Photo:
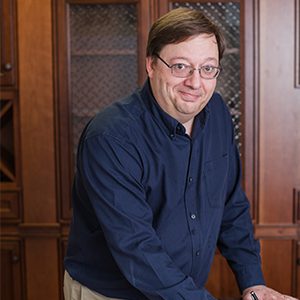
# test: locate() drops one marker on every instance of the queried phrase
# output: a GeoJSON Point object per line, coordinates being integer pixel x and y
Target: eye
{"type": "Point", "coordinates": [208, 69]}
{"type": "Point", "coordinates": [180, 67]}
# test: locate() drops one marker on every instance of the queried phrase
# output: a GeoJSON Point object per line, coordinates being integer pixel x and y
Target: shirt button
{"type": "Point", "coordinates": [172, 135]}
{"type": "Point", "coordinates": [197, 253]}
{"type": "Point", "coordinates": [190, 179]}
{"type": "Point", "coordinates": [193, 216]}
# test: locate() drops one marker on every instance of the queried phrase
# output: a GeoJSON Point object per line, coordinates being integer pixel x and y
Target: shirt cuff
{"type": "Point", "coordinates": [250, 275]}
{"type": "Point", "coordinates": [186, 290]}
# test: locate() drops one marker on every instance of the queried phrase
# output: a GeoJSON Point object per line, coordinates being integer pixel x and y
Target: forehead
{"type": "Point", "coordinates": [195, 48]}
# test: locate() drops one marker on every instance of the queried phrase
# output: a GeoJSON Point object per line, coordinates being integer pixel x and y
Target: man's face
{"type": "Point", "coordinates": [184, 98]}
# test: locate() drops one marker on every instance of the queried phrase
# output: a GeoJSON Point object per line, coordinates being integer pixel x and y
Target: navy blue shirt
{"type": "Point", "coordinates": [150, 203]}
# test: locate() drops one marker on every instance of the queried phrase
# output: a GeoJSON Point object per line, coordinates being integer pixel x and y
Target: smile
{"type": "Point", "coordinates": [189, 96]}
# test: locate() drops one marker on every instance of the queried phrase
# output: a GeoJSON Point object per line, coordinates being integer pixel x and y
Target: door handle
{"type": "Point", "coordinates": [5, 68]}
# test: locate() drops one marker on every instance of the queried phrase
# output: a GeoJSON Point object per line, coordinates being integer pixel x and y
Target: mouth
{"type": "Point", "coordinates": [190, 97]}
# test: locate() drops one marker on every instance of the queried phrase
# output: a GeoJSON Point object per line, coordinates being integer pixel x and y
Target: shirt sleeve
{"type": "Point", "coordinates": [236, 239]}
{"type": "Point", "coordinates": [111, 172]}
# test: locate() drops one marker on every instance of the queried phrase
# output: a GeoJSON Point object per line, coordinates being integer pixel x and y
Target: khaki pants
{"type": "Point", "coordinates": [73, 290]}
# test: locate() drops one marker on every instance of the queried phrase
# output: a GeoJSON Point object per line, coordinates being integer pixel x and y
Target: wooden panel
{"type": "Point", "coordinates": [277, 231]}
{"type": "Point", "coordinates": [36, 106]}
{"type": "Point", "coordinates": [39, 230]}
{"type": "Point", "coordinates": [297, 44]}
{"type": "Point", "coordinates": [279, 108]}
{"type": "Point", "coordinates": [277, 142]}
{"type": "Point", "coordinates": [277, 264]}
{"type": "Point", "coordinates": [42, 271]}
{"type": "Point", "coordinates": [297, 274]}
{"type": "Point", "coordinates": [9, 206]}
{"type": "Point", "coordinates": [8, 36]}
{"type": "Point", "coordinates": [221, 282]}
{"type": "Point", "coordinates": [62, 252]}
{"type": "Point", "coordinates": [11, 278]}
{"type": "Point", "coordinates": [248, 88]}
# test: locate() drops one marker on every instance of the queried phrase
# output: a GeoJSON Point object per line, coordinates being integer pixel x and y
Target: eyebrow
{"type": "Point", "coordinates": [205, 61]}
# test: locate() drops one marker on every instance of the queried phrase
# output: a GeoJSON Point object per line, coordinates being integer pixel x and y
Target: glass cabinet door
{"type": "Point", "coordinates": [100, 51]}
{"type": "Point", "coordinates": [226, 15]}
{"type": "Point", "coordinates": [103, 59]}
{"type": "Point", "coordinates": [229, 16]}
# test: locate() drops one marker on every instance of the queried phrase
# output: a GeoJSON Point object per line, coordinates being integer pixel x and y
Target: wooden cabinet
{"type": "Point", "coordinates": [73, 57]}
{"type": "Point", "coordinates": [278, 142]}
{"type": "Point", "coordinates": [10, 181]}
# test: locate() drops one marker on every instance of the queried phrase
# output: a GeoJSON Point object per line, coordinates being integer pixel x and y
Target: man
{"type": "Point", "coordinates": [157, 186]}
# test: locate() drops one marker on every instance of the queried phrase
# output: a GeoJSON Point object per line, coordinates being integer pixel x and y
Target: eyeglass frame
{"type": "Point", "coordinates": [192, 69]}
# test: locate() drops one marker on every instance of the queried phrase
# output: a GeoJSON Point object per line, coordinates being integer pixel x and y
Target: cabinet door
{"type": "Point", "coordinates": [229, 16]}
{"type": "Point", "coordinates": [101, 52]}
{"type": "Point", "coordinates": [11, 278]}
{"type": "Point", "coordinates": [8, 43]}
{"type": "Point", "coordinates": [278, 140]}
{"type": "Point", "coordinates": [260, 84]}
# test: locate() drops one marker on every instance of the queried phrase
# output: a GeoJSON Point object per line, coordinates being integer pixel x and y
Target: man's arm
{"type": "Point", "coordinates": [236, 238]}
{"type": "Point", "coordinates": [237, 242]}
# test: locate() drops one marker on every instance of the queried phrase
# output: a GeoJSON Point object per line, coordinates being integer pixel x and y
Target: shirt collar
{"type": "Point", "coordinates": [171, 125]}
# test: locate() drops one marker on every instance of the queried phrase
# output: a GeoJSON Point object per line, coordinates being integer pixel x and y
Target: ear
{"type": "Point", "coordinates": [149, 65]}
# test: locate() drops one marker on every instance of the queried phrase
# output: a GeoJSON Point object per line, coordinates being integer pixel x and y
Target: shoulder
{"type": "Point", "coordinates": [117, 120]}
{"type": "Point", "coordinates": [217, 101]}
{"type": "Point", "coordinates": [218, 107]}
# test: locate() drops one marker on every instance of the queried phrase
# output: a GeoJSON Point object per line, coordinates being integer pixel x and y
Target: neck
{"type": "Point", "coordinates": [189, 126]}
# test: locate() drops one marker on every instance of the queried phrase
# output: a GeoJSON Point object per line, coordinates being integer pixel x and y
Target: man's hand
{"type": "Point", "coordinates": [264, 293]}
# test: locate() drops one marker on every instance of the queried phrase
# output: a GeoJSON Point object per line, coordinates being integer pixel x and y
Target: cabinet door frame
{"type": "Point", "coordinates": [220, 273]}
{"type": "Point", "coordinates": [248, 77]}
{"type": "Point", "coordinates": [62, 98]}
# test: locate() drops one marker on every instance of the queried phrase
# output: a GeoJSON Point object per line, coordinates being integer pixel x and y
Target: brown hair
{"type": "Point", "coordinates": [177, 26]}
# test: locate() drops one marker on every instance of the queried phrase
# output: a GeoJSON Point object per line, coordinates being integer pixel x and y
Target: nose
{"type": "Point", "coordinates": [194, 81]}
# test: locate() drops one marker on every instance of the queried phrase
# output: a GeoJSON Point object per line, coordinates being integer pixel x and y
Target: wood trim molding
{"type": "Point", "coordinates": [296, 268]}
{"type": "Point", "coordinates": [40, 230]}
{"type": "Point", "coordinates": [278, 231]}
{"type": "Point", "coordinates": [10, 207]}
{"type": "Point", "coordinates": [297, 44]}
{"type": "Point", "coordinates": [256, 112]}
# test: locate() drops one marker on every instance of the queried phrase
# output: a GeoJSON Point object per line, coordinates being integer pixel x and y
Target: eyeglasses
{"type": "Point", "coordinates": [183, 71]}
